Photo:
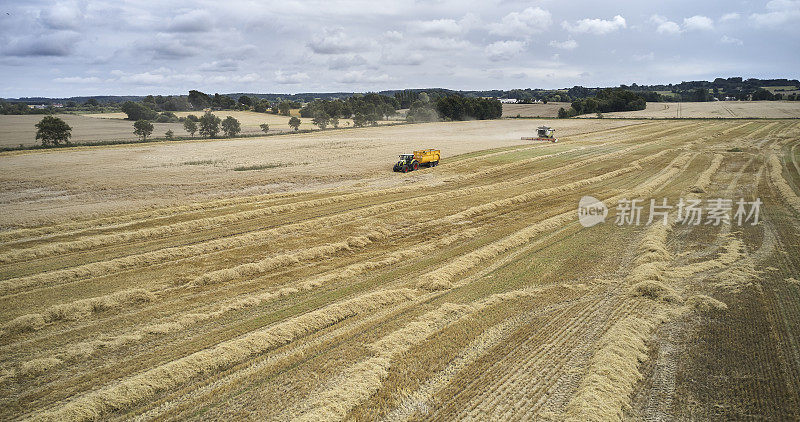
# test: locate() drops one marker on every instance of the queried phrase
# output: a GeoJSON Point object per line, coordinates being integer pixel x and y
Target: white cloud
{"type": "Point", "coordinates": [565, 45]}
{"type": "Point", "coordinates": [335, 41]}
{"type": "Point", "coordinates": [402, 58]}
{"type": "Point", "coordinates": [226, 65]}
{"type": "Point", "coordinates": [644, 57]}
{"type": "Point", "coordinates": [730, 40]}
{"type": "Point", "coordinates": [393, 36]}
{"type": "Point", "coordinates": [437, 26]}
{"type": "Point", "coordinates": [504, 50]}
{"type": "Point", "coordinates": [446, 27]}
{"type": "Point", "coordinates": [62, 16]}
{"type": "Point", "coordinates": [532, 20]}
{"type": "Point", "coordinates": [78, 80]}
{"type": "Point", "coordinates": [145, 78]}
{"type": "Point", "coordinates": [729, 17]}
{"type": "Point", "coordinates": [596, 26]}
{"type": "Point", "coordinates": [665, 26]}
{"type": "Point", "coordinates": [346, 62]}
{"type": "Point", "coordinates": [360, 76]}
{"type": "Point", "coordinates": [194, 21]}
{"type": "Point", "coordinates": [698, 23]}
{"type": "Point", "coordinates": [442, 44]}
{"type": "Point", "coordinates": [780, 12]}
{"type": "Point", "coordinates": [290, 78]}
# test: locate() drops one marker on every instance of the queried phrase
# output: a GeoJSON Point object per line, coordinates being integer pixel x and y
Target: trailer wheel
{"type": "Point", "coordinates": [416, 165]}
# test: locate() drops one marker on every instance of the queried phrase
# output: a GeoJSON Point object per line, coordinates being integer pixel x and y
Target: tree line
{"type": "Point", "coordinates": [605, 101]}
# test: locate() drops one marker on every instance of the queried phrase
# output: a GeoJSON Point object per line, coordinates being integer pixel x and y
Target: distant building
{"type": "Point", "coordinates": [508, 100]}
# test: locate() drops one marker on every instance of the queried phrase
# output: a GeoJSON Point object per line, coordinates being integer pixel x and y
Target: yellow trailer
{"type": "Point", "coordinates": [423, 157]}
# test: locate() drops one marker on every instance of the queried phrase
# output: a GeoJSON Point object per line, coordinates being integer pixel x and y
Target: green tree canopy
{"type": "Point", "coordinates": [321, 120]}
{"type": "Point", "coordinates": [209, 125]}
{"type": "Point", "coordinates": [264, 127]}
{"type": "Point", "coordinates": [231, 126]}
{"type": "Point", "coordinates": [52, 130]}
{"type": "Point", "coordinates": [143, 128]}
{"type": "Point", "coordinates": [294, 123]}
{"type": "Point", "coordinates": [190, 126]}
{"type": "Point", "coordinates": [138, 111]}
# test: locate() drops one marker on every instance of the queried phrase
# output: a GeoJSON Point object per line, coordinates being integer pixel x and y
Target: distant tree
{"type": "Point", "coordinates": [190, 126]}
{"type": "Point", "coordinates": [138, 111]}
{"type": "Point", "coordinates": [193, 118]}
{"type": "Point", "coordinates": [91, 102]}
{"type": "Point", "coordinates": [422, 112]}
{"type": "Point", "coordinates": [359, 120]}
{"type": "Point", "coordinates": [321, 120]}
{"type": "Point", "coordinates": [71, 104]}
{"type": "Point", "coordinates": [246, 101]}
{"type": "Point", "coordinates": [701, 94]}
{"type": "Point", "coordinates": [169, 135]}
{"type": "Point", "coordinates": [762, 94]}
{"type": "Point", "coordinates": [143, 128]}
{"type": "Point", "coordinates": [52, 130]}
{"type": "Point", "coordinates": [231, 126]}
{"type": "Point", "coordinates": [261, 106]}
{"type": "Point", "coordinates": [264, 127]}
{"type": "Point", "coordinates": [284, 108]}
{"type": "Point", "coordinates": [335, 121]}
{"type": "Point", "coordinates": [199, 100]}
{"type": "Point", "coordinates": [209, 125]}
{"type": "Point", "coordinates": [294, 123]}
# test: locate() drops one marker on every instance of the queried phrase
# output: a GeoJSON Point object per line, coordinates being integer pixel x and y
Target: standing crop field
{"type": "Point", "coordinates": [465, 291]}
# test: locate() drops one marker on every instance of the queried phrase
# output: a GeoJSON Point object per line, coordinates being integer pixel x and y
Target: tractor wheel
{"type": "Point", "coordinates": [416, 165]}
{"type": "Point", "coordinates": [405, 169]}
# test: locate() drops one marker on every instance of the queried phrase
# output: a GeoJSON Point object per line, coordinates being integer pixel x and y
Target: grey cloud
{"type": "Point", "coordinates": [346, 62]}
{"type": "Point", "coordinates": [57, 44]}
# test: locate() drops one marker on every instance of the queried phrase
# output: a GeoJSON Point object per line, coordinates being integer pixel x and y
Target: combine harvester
{"type": "Point", "coordinates": [543, 133]}
{"type": "Point", "coordinates": [423, 157]}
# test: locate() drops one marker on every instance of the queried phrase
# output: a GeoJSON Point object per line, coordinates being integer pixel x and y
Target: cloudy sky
{"type": "Point", "coordinates": [66, 48]}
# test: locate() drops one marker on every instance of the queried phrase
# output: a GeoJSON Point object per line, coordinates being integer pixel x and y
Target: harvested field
{"type": "Point", "coordinates": [533, 110]}
{"type": "Point", "coordinates": [249, 120]}
{"type": "Point", "coordinates": [713, 110]}
{"type": "Point", "coordinates": [158, 282]}
{"type": "Point", "coordinates": [21, 130]}
{"type": "Point", "coordinates": [35, 184]}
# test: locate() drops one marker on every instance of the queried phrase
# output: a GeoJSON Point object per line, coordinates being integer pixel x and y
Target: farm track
{"type": "Point", "coordinates": [470, 298]}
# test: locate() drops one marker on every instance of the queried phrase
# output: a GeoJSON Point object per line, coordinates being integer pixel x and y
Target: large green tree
{"type": "Point", "coordinates": [52, 130]}
{"type": "Point", "coordinates": [138, 111]}
{"type": "Point", "coordinates": [231, 126]}
{"type": "Point", "coordinates": [190, 126]}
{"type": "Point", "coordinates": [294, 123]}
{"type": "Point", "coordinates": [143, 128]}
{"type": "Point", "coordinates": [209, 125]}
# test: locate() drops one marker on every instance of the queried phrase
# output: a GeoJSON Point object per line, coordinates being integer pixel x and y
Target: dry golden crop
{"type": "Point", "coordinates": [331, 288]}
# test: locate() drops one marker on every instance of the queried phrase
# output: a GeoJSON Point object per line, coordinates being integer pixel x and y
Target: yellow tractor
{"type": "Point", "coordinates": [423, 157]}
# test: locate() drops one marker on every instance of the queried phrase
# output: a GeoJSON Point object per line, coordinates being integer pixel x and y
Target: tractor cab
{"type": "Point", "coordinates": [544, 132]}
{"type": "Point", "coordinates": [407, 163]}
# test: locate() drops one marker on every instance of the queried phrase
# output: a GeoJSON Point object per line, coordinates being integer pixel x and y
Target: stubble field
{"type": "Point", "coordinates": [465, 291]}
{"type": "Point", "coordinates": [713, 110]}
{"type": "Point", "coordinates": [103, 127]}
